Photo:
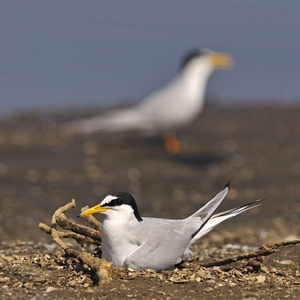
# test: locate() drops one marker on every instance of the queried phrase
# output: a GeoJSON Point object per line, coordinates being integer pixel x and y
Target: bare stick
{"type": "Point", "coordinates": [101, 267]}
{"type": "Point", "coordinates": [262, 251]}
{"type": "Point", "coordinates": [80, 233]}
{"type": "Point", "coordinates": [62, 210]}
{"type": "Point", "coordinates": [66, 224]}
{"type": "Point", "coordinates": [77, 237]}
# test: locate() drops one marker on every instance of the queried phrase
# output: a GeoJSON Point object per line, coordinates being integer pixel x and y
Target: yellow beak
{"type": "Point", "coordinates": [94, 210]}
{"type": "Point", "coordinates": [220, 60]}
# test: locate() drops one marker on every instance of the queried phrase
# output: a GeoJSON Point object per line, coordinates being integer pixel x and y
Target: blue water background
{"type": "Point", "coordinates": [67, 54]}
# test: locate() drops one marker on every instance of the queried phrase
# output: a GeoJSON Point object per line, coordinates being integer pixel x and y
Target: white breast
{"type": "Point", "coordinates": [117, 242]}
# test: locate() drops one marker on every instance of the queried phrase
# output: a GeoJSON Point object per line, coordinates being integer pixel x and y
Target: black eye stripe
{"type": "Point", "coordinates": [114, 202]}
{"type": "Point", "coordinates": [121, 198]}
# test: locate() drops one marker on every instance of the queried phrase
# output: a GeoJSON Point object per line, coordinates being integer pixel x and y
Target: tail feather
{"type": "Point", "coordinates": [220, 217]}
{"type": "Point", "coordinates": [236, 211]}
{"type": "Point", "coordinates": [117, 120]}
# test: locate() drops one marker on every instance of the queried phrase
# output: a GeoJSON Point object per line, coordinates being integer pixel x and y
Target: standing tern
{"type": "Point", "coordinates": [128, 240]}
{"type": "Point", "coordinates": [167, 109]}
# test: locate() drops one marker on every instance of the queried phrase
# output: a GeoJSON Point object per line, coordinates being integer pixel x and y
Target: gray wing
{"type": "Point", "coordinates": [157, 259]}
{"type": "Point", "coordinates": [168, 239]}
{"type": "Point", "coordinates": [163, 246]}
{"type": "Point", "coordinates": [157, 111]}
{"type": "Point", "coordinates": [171, 106]}
{"type": "Point", "coordinates": [168, 107]}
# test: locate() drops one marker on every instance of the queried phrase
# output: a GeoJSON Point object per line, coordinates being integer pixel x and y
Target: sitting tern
{"type": "Point", "coordinates": [128, 240]}
{"type": "Point", "coordinates": [167, 109]}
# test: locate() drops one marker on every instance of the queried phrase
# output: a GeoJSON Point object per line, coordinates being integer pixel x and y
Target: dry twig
{"type": "Point", "coordinates": [101, 268]}
{"type": "Point", "coordinates": [263, 251]}
{"type": "Point", "coordinates": [64, 235]}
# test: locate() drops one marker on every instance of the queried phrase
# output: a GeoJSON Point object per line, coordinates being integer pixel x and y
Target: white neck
{"type": "Point", "coordinates": [194, 77]}
{"type": "Point", "coordinates": [120, 214]}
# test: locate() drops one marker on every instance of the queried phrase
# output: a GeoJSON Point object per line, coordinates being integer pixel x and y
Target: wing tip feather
{"type": "Point", "coordinates": [227, 185]}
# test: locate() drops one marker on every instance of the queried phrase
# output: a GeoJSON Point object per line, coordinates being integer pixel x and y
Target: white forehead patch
{"type": "Point", "coordinates": [107, 199]}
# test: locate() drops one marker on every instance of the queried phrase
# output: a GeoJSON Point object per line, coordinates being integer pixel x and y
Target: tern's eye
{"type": "Point", "coordinates": [119, 201]}
{"type": "Point", "coordinates": [115, 202]}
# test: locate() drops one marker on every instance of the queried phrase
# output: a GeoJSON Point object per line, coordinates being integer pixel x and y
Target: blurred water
{"type": "Point", "coordinates": [86, 53]}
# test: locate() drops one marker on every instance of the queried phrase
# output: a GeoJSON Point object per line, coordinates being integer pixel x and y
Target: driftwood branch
{"type": "Point", "coordinates": [263, 251]}
{"type": "Point", "coordinates": [71, 235]}
{"type": "Point", "coordinates": [101, 268]}
{"type": "Point", "coordinates": [80, 233]}
{"type": "Point", "coordinates": [66, 224]}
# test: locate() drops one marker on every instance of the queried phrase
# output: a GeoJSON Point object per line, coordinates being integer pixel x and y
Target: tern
{"type": "Point", "coordinates": [164, 111]}
{"type": "Point", "coordinates": [128, 240]}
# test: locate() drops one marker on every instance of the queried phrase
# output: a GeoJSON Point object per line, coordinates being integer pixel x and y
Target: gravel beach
{"type": "Point", "coordinates": [41, 169]}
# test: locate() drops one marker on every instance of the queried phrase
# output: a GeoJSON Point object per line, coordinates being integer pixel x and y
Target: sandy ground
{"type": "Point", "coordinates": [42, 169]}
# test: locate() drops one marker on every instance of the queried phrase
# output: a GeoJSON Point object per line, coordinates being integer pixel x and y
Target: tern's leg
{"type": "Point", "coordinates": [171, 143]}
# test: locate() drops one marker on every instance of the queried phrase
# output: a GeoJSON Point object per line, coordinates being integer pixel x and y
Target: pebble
{"type": "Point", "coordinates": [4, 279]}
{"type": "Point", "coordinates": [50, 289]}
{"type": "Point", "coordinates": [287, 262]}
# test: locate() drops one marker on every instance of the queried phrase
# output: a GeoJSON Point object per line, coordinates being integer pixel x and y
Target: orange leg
{"type": "Point", "coordinates": [171, 143]}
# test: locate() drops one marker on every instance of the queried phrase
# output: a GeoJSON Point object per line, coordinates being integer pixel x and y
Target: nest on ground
{"type": "Point", "coordinates": [102, 270]}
